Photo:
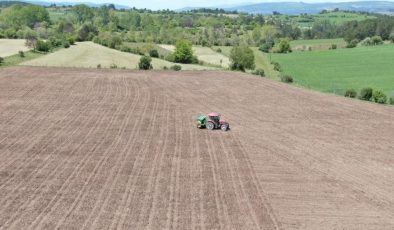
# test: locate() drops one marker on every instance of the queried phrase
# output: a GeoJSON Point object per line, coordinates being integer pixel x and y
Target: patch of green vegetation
{"type": "Point", "coordinates": [17, 59]}
{"type": "Point", "coordinates": [336, 71]}
{"type": "Point", "coordinates": [262, 61]}
{"type": "Point", "coordinates": [317, 44]}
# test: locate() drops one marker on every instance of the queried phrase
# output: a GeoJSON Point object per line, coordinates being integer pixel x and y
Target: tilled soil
{"type": "Point", "coordinates": [101, 149]}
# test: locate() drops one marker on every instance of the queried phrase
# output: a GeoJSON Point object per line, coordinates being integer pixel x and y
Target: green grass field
{"type": "Point", "coordinates": [337, 70]}
{"type": "Point", "coordinates": [89, 55]}
{"type": "Point", "coordinates": [9, 47]}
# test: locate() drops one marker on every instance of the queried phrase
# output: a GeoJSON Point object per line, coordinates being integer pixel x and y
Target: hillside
{"type": "Point", "coordinates": [295, 8]}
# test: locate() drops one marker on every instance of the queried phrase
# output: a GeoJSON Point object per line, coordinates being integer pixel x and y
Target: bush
{"type": "Point", "coordinates": [43, 46]}
{"type": "Point", "coordinates": [333, 47]}
{"type": "Point", "coordinates": [366, 94]}
{"type": "Point", "coordinates": [242, 58]}
{"type": "Point", "coordinates": [99, 66]}
{"type": "Point", "coordinates": [377, 40]}
{"type": "Point", "coordinates": [66, 44]}
{"type": "Point", "coordinates": [145, 63]}
{"type": "Point", "coordinates": [71, 40]}
{"type": "Point", "coordinates": [176, 67]}
{"type": "Point", "coordinates": [219, 50]}
{"type": "Point", "coordinates": [379, 97]}
{"type": "Point", "coordinates": [1, 60]}
{"type": "Point", "coordinates": [165, 68]}
{"type": "Point", "coordinates": [183, 52]}
{"type": "Point", "coordinates": [259, 72]}
{"type": "Point", "coordinates": [391, 101]}
{"type": "Point", "coordinates": [113, 66]}
{"type": "Point", "coordinates": [352, 44]}
{"type": "Point", "coordinates": [277, 66]}
{"type": "Point", "coordinates": [154, 53]}
{"type": "Point", "coordinates": [392, 37]}
{"type": "Point", "coordinates": [284, 46]}
{"type": "Point", "coordinates": [351, 93]}
{"type": "Point", "coordinates": [21, 54]}
{"type": "Point", "coordinates": [286, 78]}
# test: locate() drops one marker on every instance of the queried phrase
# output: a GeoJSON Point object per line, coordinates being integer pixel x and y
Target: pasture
{"type": "Point", "coordinates": [89, 55]}
{"type": "Point", "coordinates": [337, 70]}
{"type": "Point", "coordinates": [9, 47]}
{"type": "Point", "coordinates": [118, 149]}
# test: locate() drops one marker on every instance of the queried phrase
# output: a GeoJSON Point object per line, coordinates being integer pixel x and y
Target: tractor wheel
{"type": "Point", "coordinates": [210, 126]}
{"type": "Point", "coordinates": [224, 128]}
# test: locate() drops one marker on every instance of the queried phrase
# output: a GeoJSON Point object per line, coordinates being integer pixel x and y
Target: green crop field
{"type": "Point", "coordinates": [9, 47]}
{"type": "Point", "coordinates": [337, 70]}
{"type": "Point", "coordinates": [89, 55]}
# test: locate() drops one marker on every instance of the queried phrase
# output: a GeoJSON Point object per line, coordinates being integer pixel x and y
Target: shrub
{"type": "Point", "coordinates": [43, 46]}
{"type": "Point", "coordinates": [154, 53]}
{"type": "Point", "coordinates": [66, 44]}
{"type": "Point", "coordinates": [366, 94]}
{"type": "Point", "coordinates": [145, 63]}
{"type": "Point", "coordinates": [351, 93]}
{"type": "Point", "coordinates": [176, 67]}
{"type": "Point", "coordinates": [392, 37]}
{"type": "Point", "coordinates": [265, 48]}
{"type": "Point", "coordinates": [165, 68]}
{"type": "Point", "coordinates": [352, 44]}
{"type": "Point", "coordinates": [277, 66]}
{"type": "Point", "coordinates": [379, 97]}
{"type": "Point", "coordinates": [377, 40]}
{"type": "Point", "coordinates": [21, 54]}
{"type": "Point", "coordinates": [99, 66]}
{"type": "Point", "coordinates": [391, 101]}
{"type": "Point", "coordinates": [333, 47]}
{"type": "Point", "coordinates": [259, 72]}
{"type": "Point", "coordinates": [284, 46]}
{"type": "Point", "coordinates": [113, 66]}
{"type": "Point", "coordinates": [219, 50]}
{"type": "Point", "coordinates": [71, 40]}
{"type": "Point", "coordinates": [242, 58]}
{"type": "Point", "coordinates": [1, 60]}
{"type": "Point", "coordinates": [286, 78]}
{"type": "Point", "coordinates": [183, 52]}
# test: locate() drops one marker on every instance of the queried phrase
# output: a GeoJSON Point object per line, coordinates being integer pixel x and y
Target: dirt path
{"type": "Point", "coordinates": [100, 149]}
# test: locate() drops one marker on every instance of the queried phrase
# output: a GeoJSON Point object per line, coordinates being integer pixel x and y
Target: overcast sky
{"type": "Point", "coordinates": [177, 4]}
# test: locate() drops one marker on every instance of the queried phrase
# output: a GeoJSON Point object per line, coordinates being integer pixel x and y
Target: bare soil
{"type": "Point", "coordinates": [101, 149]}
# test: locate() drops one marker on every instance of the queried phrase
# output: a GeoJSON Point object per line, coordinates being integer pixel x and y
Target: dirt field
{"type": "Point", "coordinates": [103, 149]}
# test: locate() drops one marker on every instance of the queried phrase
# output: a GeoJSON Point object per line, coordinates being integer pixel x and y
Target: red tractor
{"type": "Point", "coordinates": [212, 121]}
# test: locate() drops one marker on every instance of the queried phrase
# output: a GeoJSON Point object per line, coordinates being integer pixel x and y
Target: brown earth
{"type": "Point", "coordinates": [101, 149]}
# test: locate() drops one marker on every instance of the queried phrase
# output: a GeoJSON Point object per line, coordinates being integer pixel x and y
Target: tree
{"type": "Point", "coordinates": [284, 46]}
{"type": "Point", "coordinates": [242, 58]}
{"type": "Point", "coordinates": [31, 41]}
{"type": "Point", "coordinates": [183, 52]}
{"type": "Point", "coordinates": [83, 13]}
{"type": "Point", "coordinates": [145, 63]}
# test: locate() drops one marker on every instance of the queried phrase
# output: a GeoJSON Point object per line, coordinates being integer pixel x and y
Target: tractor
{"type": "Point", "coordinates": [212, 121]}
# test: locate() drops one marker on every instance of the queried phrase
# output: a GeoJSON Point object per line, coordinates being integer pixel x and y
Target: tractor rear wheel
{"type": "Point", "coordinates": [210, 126]}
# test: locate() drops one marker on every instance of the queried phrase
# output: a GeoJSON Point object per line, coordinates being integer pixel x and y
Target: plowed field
{"type": "Point", "coordinates": [101, 149]}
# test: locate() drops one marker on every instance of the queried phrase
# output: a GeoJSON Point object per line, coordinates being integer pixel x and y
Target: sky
{"type": "Point", "coordinates": [177, 4]}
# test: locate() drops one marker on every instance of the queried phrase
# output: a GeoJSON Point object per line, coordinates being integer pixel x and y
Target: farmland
{"type": "Point", "coordinates": [337, 70]}
{"type": "Point", "coordinates": [9, 47]}
{"type": "Point", "coordinates": [89, 55]}
{"type": "Point", "coordinates": [101, 149]}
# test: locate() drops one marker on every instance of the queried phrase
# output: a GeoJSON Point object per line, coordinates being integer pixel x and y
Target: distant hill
{"type": "Point", "coordinates": [10, 3]}
{"type": "Point", "coordinates": [48, 3]}
{"type": "Point", "coordinates": [295, 8]}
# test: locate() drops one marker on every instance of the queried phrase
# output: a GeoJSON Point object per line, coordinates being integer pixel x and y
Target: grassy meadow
{"type": "Point", "coordinates": [335, 71]}
{"type": "Point", "coordinates": [9, 47]}
{"type": "Point", "coordinates": [89, 55]}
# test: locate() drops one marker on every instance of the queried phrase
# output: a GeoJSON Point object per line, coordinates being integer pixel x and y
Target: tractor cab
{"type": "Point", "coordinates": [215, 118]}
